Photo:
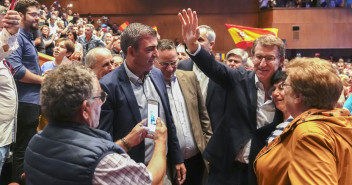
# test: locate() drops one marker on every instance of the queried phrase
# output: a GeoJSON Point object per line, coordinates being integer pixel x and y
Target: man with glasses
{"type": "Point", "coordinates": [100, 61]}
{"type": "Point", "coordinates": [71, 151]}
{"type": "Point", "coordinates": [250, 115]}
{"type": "Point", "coordinates": [28, 79]}
{"type": "Point", "coordinates": [188, 111]}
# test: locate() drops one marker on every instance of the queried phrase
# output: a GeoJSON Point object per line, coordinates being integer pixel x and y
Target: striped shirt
{"type": "Point", "coordinates": [121, 169]}
{"type": "Point", "coordinates": [279, 128]}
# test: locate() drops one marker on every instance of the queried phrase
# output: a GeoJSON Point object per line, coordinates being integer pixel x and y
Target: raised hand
{"type": "Point", "coordinates": [190, 31]}
{"type": "Point", "coordinates": [12, 21]}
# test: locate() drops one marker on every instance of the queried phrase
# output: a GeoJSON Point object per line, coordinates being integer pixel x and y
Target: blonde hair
{"type": "Point", "coordinates": [317, 80]}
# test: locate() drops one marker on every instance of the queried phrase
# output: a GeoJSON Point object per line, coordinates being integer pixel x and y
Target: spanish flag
{"type": "Point", "coordinates": [124, 25]}
{"type": "Point", "coordinates": [155, 28]}
{"type": "Point", "coordinates": [244, 36]}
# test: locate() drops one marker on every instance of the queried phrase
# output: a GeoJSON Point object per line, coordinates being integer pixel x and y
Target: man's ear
{"type": "Point", "coordinates": [282, 59]}
{"type": "Point", "coordinates": [130, 51]}
{"type": "Point", "coordinates": [212, 43]}
{"type": "Point", "coordinates": [21, 15]}
{"type": "Point", "coordinates": [85, 111]}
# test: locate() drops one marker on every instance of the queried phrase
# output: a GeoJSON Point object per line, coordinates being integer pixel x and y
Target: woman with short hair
{"type": "Point", "coordinates": [314, 148]}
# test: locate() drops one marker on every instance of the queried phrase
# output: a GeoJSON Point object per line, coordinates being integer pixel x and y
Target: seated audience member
{"type": "Point", "coordinates": [48, 40]}
{"type": "Point", "coordinates": [9, 26]}
{"type": "Point", "coordinates": [63, 48]}
{"type": "Point", "coordinates": [71, 151]}
{"type": "Point", "coordinates": [315, 147]}
{"type": "Point", "coordinates": [78, 54]}
{"type": "Point", "coordinates": [236, 57]}
{"type": "Point", "coordinates": [278, 96]}
{"type": "Point", "coordinates": [181, 52]}
{"type": "Point", "coordinates": [100, 61]}
{"type": "Point", "coordinates": [118, 60]}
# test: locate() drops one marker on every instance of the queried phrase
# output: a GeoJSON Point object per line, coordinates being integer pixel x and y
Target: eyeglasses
{"type": "Point", "coordinates": [166, 64]}
{"type": "Point", "coordinates": [259, 58]}
{"type": "Point", "coordinates": [282, 85]}
{"type": "Point", "coordinates": [34, 14]}
{"type": "Point", "coordinates": [103, 96]}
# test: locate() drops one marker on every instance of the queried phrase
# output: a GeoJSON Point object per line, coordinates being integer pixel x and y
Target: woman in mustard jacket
{"type": "Point", "coordinates": [316, 147]}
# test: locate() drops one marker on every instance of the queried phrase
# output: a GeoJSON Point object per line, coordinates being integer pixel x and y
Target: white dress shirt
{"type": "Point", "coordinates": [181, 119]}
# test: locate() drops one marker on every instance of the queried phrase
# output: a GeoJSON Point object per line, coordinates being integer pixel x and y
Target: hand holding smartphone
{"type": "Point", "coordinates": [153, 114]}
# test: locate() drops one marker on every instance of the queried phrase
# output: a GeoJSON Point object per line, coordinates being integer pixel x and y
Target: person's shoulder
{"type": "Point", "coordinates": [113, 77]}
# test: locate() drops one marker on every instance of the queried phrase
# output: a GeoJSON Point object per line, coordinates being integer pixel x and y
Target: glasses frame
{"type": "Point", "coordinates": [166, 64]}
{"type": "Point", "coordinates": [103, 95]}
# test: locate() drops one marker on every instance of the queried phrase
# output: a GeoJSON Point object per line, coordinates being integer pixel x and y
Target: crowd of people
{"type": "Point", "coordinates": [255, 118]}
{"type": "Point", "coordinates": [264, 4]}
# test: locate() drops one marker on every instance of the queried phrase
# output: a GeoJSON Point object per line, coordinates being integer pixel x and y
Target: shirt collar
{"type": "Point", "coordinates": [132, 77]}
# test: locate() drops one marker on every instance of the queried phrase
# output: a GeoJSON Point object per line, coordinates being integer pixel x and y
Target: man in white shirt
{"type": "Point", "coordinates": [188, 111]}
{"type": "Point", "coordinates": [9, 24]}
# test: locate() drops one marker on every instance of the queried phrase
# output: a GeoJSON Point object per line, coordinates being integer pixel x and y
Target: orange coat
{"type": "Point", "coordinates": [315, 148]}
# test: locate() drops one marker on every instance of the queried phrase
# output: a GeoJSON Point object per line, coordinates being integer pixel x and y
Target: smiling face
{"type": "Point", "coordinates": [278, 95]}
{"type": "Point", "coordinates": [266, 61]}
{"type": "Point", "coordinates": [167, 63]}
{"type": "Point", "coordinates": [144, 57]}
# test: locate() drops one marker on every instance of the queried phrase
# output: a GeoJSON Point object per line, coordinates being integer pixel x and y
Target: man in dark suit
{"type": "Point", "coordinates": [249, 115]}
{"type": "Point", "coordinates": [188, 111]}
{"type": "Point", "coordinates": [130, 86]}
{"type": "Point", "coordinates": [214, 94]}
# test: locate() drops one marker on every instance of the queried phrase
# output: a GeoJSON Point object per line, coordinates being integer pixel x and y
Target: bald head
{"type": "Point", "coordinates": [100, 61]}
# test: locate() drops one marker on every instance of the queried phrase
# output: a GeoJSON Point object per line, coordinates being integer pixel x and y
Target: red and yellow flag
{"type": "Point", "coordinates": [124, 25]}
{"type": "Point", "coordinates": [244, 36]}
{"type": "Point", "coordinates": [155, 28]}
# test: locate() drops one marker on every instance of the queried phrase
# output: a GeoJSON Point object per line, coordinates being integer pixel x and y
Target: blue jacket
{"type": "Point", "coordinates": [120, 113]}
{"type": "Point", "coordinates": [66, 153]}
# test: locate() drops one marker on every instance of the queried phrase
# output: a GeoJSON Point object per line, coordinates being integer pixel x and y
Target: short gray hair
{"type": "Point", "coordinates": [240, 52]}
{"type": "Point", "coordinates": [64, 90]}
{"type": "Point", "coordinates": [91, 57]}
{"type": "Point", "coordinates": [132, 34]}
{"type": "Point", "coordinates": [166, 44]}
{"type": "Point", "coordinates": [209, 31]}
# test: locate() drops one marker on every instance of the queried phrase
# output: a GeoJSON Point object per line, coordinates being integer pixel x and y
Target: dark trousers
{"type": "Point", "coordinates": [237, 176]}
{"type": "Point", "coordinates": [27, 122]}
{"type": "Point", "coordinates": [195, 170]}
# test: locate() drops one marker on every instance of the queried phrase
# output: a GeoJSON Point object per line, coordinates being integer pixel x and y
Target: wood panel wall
{"type": "Point", "coordinates": [319, 28]}
{"type": "Point", "coordinates": [163, 14]}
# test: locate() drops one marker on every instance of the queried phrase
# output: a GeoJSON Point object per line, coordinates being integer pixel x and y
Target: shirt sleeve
{"type": "Point", "coordinates": [7, 39]}
{"type": "Point", "coordinates": [121, 169]}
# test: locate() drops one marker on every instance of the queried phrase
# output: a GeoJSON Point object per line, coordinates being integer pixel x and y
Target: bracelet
{"type": "Point", "coordinates": [125, 143]}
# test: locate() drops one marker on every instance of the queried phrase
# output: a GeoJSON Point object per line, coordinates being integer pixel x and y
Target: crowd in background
{"type": "Point", "coordinates": [102, 46]}
{"type": "Point", "coordinates": [305, 3]}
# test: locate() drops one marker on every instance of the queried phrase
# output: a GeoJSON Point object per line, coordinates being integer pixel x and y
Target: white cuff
{"type": "Point", "coordinates": [195, 53]}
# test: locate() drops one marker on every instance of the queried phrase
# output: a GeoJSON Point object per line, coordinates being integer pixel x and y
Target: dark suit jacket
{"type": "Point", "coordinates": [216, 96]}
{"type": "Point", "coordinates": [239, 124]}
{"type": "Point", "coordinates": [120, 112]}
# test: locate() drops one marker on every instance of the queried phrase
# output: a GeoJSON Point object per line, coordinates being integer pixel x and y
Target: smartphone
{"type": "Point", "coordinates": [153, 114]}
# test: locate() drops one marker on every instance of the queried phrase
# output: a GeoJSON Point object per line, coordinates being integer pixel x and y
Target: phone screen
{"type": "Point", "coordinates": [153, 114]}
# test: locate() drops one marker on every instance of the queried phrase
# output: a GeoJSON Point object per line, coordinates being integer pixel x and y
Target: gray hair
{"type": "Point", "coordinates": [270, 40]}
{"type": "Point", "coordinates": [209, 31]}
{"type": "Point", "coordinates": [91, 57]}
{"type": "Point", "coordinates": [166, 44]}
{"type": "Point", "coordinates": [64, 89]}
{"type": "Point", "coordinates": [132, 34]}
{"type": "Point", "coordinates": [240, 52]}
